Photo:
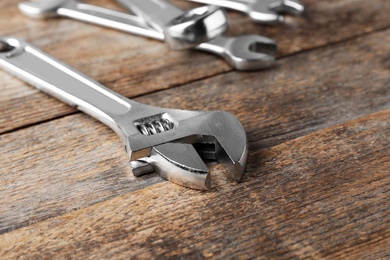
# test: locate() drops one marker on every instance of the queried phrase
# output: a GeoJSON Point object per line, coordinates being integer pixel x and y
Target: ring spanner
{"type": "Point", "coordinates": [182, 30]}
{"type": "Point", "coordinates": [167, 141]}
{"type": "Point", "coordinates": [245, 52]}
{"type": "Point", "coordinates": [261, 11]}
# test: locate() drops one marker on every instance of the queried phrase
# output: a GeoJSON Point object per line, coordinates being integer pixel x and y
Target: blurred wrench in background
{"type": "Point", "coordinates": [245, 52]}
{"type": "Point", "coordinates": [182, 30]}
{"type": "Point", "coordinates": [261, 11]}
{"type": "Point", "coordinates": [190, 28]}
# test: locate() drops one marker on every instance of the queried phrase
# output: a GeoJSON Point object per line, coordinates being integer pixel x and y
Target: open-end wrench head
{"type": "Point", "coordinates": [6, 46]}
{"type": "Point", "coordinates": [251, 52]}
{"type": "Point", "coordinates": [260, 12]}
{"type": "Point", "coordinates": [195, 26]}
{"type": "Point", "coordinates": [271, 11]}
{"type": "Point", "coordinates": [42, 9]}
{"type": "Point", "coordinates": [292, 7]}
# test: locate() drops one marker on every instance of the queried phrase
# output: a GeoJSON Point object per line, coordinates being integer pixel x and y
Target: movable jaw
{"type": "Point", "coordinates": [42, 9]}
{"type": "Point", "coordinates": [196, 26]}
{"type": "Point", "coordinates": [177, 162]}
{"type": "Point", "coordinates": [178, 154]}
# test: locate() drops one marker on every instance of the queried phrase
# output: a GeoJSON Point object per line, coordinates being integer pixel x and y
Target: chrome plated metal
{"type": "Point", "coordinates": [261, 11]}
{"type": "Point", "coordinates": [246, 52]}
{"type": "Point", "coordinates": [181, 29]}
{"type": "Point", "coordinates": [168, 150]}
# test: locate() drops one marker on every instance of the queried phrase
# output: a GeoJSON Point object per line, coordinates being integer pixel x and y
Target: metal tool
{"type": "Point", "coordinates": [195, 26]}
{"type": "Point", "coordinates": [181, 29]}
{"type": "Point", "coordinates": [167, 141]}
{"type": "Point", "coordinates": [261, 11]}
{"type": "Point", "coordinates": [245, 52]}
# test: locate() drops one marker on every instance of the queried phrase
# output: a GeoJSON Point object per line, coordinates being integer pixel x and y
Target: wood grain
{"type": "Point", "coordinates": [73, 162]}
{"type": "Point", "coordinates": [135, 66]}
{"type": "Point", "coordinates": [317, 181]}
{"type": "Point", "coordinates": [325, 195]}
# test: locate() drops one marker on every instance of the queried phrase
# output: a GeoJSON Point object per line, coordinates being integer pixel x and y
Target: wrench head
{"type": "Point", "coordinates": [251, 52]}
{"type": "Point", "coordinates": [292, 7]}
{"type": "Point", "coordinates": [178, 153]}
{"type": "Point", "coordinates": [5, 46]}
{"type": "Point", "coordinates": [195, 26]}
{"type": "Point", "coordinates": [42, 9]}
{"type": "Point", "coordinates": [271, 11]}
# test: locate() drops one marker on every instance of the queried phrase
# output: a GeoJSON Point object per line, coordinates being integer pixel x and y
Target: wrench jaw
{"type": "Point", "coordinates": [251, 52]}
{"type": "Point", "coordinates": [42, 9]}
{"type": "Point", "coordinates": [272, 11]}
{"type": "Point", "coordinates": [178, 154]}
{"type": "Point", "coordinates": [292, 7]}
{"type": "Point", "coordinates": [9, 46]}
{"type": "Point", "coordinates": [266, 17]}
{"type": "Point", "coordinates": [195, 26]}
{"type": "Point", "coordinates": [231, 143]}
{"type": "Point", "coordinates": [177, 162]}
{"type": "Point", "coordinates": [181, 164]}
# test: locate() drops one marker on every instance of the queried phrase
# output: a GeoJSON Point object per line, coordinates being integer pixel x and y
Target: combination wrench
{"type": "Point", "coordinates": [245, 52]}
{"type": "Point", "coordinates": [261, 11]}
{"type": "Point", "coordinates": [155, 139]}
{"type": "Point", "coordinates": [159, 13]}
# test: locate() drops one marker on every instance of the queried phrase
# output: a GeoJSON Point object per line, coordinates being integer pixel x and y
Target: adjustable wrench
{"type": "Point", "coordinates": [156, 139]}
{"type": "Point", "coordinates": [246, 52]}
{"type": "Point", "coordinates": [261, 11]}
{"type": "Point", "coordinates": [182, 30]}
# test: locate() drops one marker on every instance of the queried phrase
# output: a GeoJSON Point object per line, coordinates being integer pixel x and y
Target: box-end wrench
{"type": "Point", "coordinates": [156, 139]}
{"type": "Point", "coordinates": [261, 11]}
{"type": "Point", "coordinates": [245, 52]}
{"type": "Point", "coordinates": [182, 30]}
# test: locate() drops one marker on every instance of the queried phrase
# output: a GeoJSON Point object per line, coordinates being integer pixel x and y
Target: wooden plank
{"type": "Point", "coordinates": [315, 196]}
{"type": "Point", "coordinates": [74, 162]}
{"type": "Point", "coordinates": [135, 66]}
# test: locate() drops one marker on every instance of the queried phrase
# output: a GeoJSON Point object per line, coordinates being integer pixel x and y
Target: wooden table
{"type": "Point", "coordinates": [317, 184]}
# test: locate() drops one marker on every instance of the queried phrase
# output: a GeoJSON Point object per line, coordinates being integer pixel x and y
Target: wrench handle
{"type": "Point", "coordinates": [91, 14]}
{"type": "Point", "coordinates": [61, 81]}
{"type": "Point", "coordinates": [109, 18]}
